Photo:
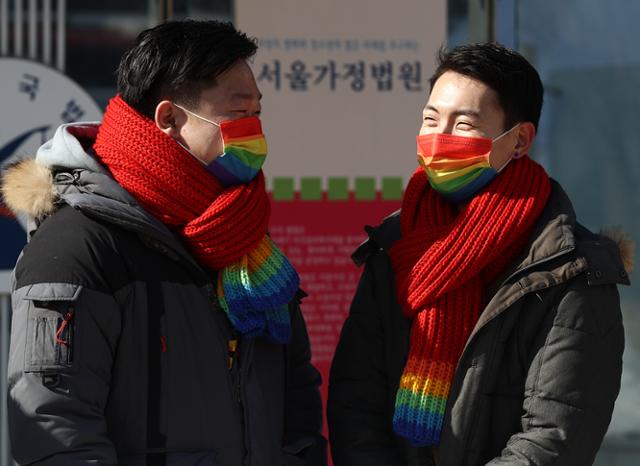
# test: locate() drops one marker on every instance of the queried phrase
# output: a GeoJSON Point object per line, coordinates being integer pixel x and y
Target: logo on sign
{"type": "Point", "coordinates": [36, 100]}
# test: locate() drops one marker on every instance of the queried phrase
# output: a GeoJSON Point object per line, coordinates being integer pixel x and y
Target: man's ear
{"type": "Point", "coordinates": [526, 134]}
{"type": "Point", "coordinates": [168, 119]}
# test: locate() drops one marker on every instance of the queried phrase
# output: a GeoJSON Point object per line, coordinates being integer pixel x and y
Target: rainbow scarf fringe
{"type": "Point", "coordinates": [224, 227]}
{"type": "Point", "coordinates": [421, 401]}
{"type": "Point", "coordinates": [255, 292]}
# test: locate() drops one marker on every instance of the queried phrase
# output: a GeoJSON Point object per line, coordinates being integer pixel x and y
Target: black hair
{"type": "Point", "coordinates": [509, 74]}
{"type": "Point", "coordinates": [178, 60]}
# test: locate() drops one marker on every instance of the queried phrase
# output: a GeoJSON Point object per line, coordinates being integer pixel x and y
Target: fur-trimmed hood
{"type": "Point", "coordinates": [626, 245]}
{"type": "Point", "coordinates": [66, 170]}
{"type": "Point", "coordinates": [28, 188]}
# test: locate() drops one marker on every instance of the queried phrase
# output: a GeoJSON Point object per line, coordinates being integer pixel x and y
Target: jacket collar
{"type": "Point", "coordinates": [551, 238]}
{"type": "Point", "coordinates": [556, 237]}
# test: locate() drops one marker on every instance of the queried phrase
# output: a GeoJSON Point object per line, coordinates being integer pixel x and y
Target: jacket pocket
{"type": "Point", "coordinates": [51, 325]}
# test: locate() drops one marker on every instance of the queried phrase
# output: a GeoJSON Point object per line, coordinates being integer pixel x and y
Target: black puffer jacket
{"type": "Point", "coordinates": [119, 351]}
{"type": "Point", "coordinates": [537, 381]}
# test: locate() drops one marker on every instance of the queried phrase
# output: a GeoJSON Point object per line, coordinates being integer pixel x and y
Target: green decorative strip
{"type": "Point", "coordinates": [283, 189]}
{"type": "Point", "coordinates": [338, 189]}
{"type": "Point", "coordinates": [365, 189]}
{"type": "Point", "coordinates": [311, 189]}
{"type": "Point", "coordinates": [391, 188]}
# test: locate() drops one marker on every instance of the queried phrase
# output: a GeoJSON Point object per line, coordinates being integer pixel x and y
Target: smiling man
{"type": "Point", "coordinates": [154, 320]}
{"type": "Point", "coordinates": [486, 328]}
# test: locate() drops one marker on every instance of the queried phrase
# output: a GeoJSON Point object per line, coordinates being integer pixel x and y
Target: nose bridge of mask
{"type": "Point", "coordinates": [452, 150]}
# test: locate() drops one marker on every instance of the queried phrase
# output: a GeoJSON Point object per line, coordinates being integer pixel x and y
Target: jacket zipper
{"type": "Point", "coordinates": [246, 349]}
{"type": "Point", "coordinates": [234, 367]}
{"type": "Point", "coordinates": [64, 337]}
{"type": "Point", "coordinates": [65, 340]}
{"type": "Point", "coordinates": [232, 362]}
{"type": "Point", "coordinates": [233, 348]}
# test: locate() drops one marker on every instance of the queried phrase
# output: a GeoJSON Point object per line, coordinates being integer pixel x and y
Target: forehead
{"type": "Point", "coordinates": [237, 84]}
{"type": "Point", "coordinates": [453, 92]}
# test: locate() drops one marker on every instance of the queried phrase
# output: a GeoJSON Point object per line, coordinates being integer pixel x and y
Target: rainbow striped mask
{"type": "Point", "coordinates": [244, 149]}
{"type": "Point", "coordinates": [457, 166]}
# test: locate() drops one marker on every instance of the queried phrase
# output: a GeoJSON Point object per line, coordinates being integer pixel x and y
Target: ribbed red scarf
{"type": "Point", "coordinates": [224, 228]}
{"type": "Point", "coordinates": [442, 265]}
{"type": "Point", "coordinates": [220, 225]}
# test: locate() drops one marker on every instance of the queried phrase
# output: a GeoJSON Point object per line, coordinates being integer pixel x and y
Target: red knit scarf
{"type": "Point", "coordinates": [224, 228]}
{"type": "Point", "coordinates": [442, 265]}
{"type": "Point", "coordinates": [219, 225]}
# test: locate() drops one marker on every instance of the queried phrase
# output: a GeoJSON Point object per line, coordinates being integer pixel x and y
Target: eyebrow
{"type": "Point", "coordinates": [462, 111]}
{"type": "Point", "coordinates": [245, 96]}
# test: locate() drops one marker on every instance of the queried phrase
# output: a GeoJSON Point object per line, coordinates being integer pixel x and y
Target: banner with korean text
{"type": "Point", "coordinates": [344, 83]}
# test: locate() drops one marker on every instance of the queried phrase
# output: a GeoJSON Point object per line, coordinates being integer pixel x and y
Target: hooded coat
{"type": "Point", "coordinates": [537, 380]}
{"type": "Point", "coordinates": [120, 353]}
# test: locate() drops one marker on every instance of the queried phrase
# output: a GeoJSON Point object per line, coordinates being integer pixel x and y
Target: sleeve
{"type": "Point", "coordinates": [572, 382]}
{"type": "Point", "coordinates": [63, 340]}
{"type": "Point", "coordinates": [303, 443]}
{"type": "Point", "coordinates": [360, 429]}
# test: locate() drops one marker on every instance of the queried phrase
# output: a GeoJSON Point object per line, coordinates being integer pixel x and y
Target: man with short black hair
{"type": "Point", "coordinates": [486, 328]}
{"type": "Point", "coordinates": [154, 320]}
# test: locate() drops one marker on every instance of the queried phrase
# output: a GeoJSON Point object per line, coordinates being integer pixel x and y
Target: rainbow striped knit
{"type": "Point", "coordinates": [424, 386]}
{"type": "Point", "coordinates": [245, 150]}
{"type": "Point", "coordinates": [255, 292]}
{"type": "Point", "coordinates": [442, 264]}
{"type": "Point", "coordinates": [223, 222]}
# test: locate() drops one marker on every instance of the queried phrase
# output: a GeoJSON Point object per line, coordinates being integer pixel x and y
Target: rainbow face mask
{"type": "Point", "coordinates": [457, 166]}
{"type": "Point", "coordinates": [244, 150]}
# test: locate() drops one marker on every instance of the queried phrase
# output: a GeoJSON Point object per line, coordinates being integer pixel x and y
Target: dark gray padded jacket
{"type": "Point", "coordinates": [537, 381]}
{"type": "Point", "coordinates": [119, 351]}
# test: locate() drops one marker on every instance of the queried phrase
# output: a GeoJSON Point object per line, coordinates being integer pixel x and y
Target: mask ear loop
{"type": "Point", "coordinates": [189, 152]}
{"type": "Point", "coordinates": [503, 134]}
{"type": "Point", "coordinates": [197, 116]}
{"type": "Point", "coordinates": [202, 118]}
{"type": "Point", "coordinates": [516, 155]}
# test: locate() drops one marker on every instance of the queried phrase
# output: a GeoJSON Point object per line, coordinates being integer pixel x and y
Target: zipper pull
{"type": "Point", "coordinates": [232, 348]}
{"type": "Point", "coordinates": [67, 318]}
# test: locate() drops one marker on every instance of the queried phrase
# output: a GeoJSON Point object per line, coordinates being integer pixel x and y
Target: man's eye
{"type": "Point", "coordinates": [464, 125]}
{"type": "Point", "coordinates": [429, 119]}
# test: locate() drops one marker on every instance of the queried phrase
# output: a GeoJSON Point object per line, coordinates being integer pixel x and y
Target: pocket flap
{"type": "Point", "coordinates": [53, 292]}
{"type": "Point", "coordinates": [295, 448]}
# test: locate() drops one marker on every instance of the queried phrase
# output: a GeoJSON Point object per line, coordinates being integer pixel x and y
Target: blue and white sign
{"type": "Point", "coordinates": [36, 99]}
